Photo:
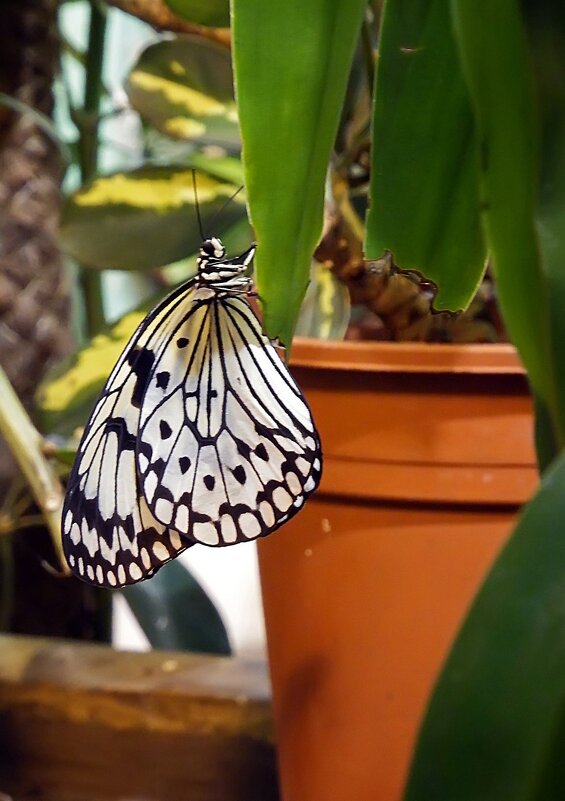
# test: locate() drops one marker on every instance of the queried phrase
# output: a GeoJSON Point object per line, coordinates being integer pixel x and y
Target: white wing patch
{"type": "Point", "coordinates": [227, 449]}
{"type": "Point", "coordinates": [200, 435]}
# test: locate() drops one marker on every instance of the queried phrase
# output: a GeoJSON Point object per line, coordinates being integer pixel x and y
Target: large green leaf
{"type": "Point", "coordinates": [424, 203]}
{"type": "Point", "coordinates": [145, 218]}
{"type": "Point", "coordinates": [176, 614]}
{"type": "Point", "coordinates": [497, 68]}
{"type": "Point", "coordinates": [215, 13]}
{"type": "Point", "coordinates": [184, 87]}
{"type": "Point", "coordinates": [545, 26]}
{"type": "Point", "coordinates": [495, 728]}
{"type": "Point", "coordinates": [292, 61]}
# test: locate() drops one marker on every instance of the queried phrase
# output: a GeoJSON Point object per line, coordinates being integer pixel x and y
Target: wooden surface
{"type": "Point", "coordinates": [85, 723]}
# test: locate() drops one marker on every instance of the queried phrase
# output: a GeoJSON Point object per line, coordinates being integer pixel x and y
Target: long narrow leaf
{"type": "Point", "coordinates": [497, 68]}
{"type": "Point", "coordinates": [424, 203]}
{"type": "Point", "coordinates": [495, 729]}
{"type": "Point", "coordinates": [545, 28]}
{"type": "Point", "coordinates": [292, 61]}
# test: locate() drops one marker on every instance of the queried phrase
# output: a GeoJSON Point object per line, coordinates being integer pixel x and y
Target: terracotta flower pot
{"type": "Point", "coordinates": [428, 456]}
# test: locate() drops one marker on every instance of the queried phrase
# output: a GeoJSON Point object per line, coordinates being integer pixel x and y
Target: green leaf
{"type": "Point", "coordinates": [545, 27]}
{"type": "Point", "coordinates": [214, 13]}
{"type": "Point", "coordinates": [65, 398]}
{"type": "Point", "coordinates": [497, 69]}
{"type": "Point", "coordinates": [176, 614]}
{"type": "Point", "coordinates": [145, 218]}
{"type": "Point", "coordinates": [184, 87]}
{"type": "Point", "coordinates": [292, 61]}
{"type": "Point", "coordinates": [225, 168]}
{"type": "Point", "coordinates": [495, 728]}
{"type": "Point", "coordinates": [326, 310]}
{"type": "Point", "coordinates": [424, 203]}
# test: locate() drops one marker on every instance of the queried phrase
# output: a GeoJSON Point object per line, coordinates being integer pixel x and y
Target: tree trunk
{"type": "Point", "coordinates": [34, 308]}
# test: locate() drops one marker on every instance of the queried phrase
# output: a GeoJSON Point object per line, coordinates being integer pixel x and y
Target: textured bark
{"type": "Point", "coordinates": [34, 298]}
{"type": "Point", "coordinates": [34, 309]}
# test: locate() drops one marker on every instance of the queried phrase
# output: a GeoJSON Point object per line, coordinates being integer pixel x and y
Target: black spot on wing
{"type": "Point", "coordinates": [141, 361]}
{"type": "Point", "coordinates": [261, 452]}
{"type": "Point", "coordinates": [165, 429]}
{"type": "Point", "coordinates": [239, 474]}
{"type": "Point", "coordinates": [184, 464]}
{"type": "Point", "coordinates": [182, 342]}
{"type": "Point", "coordinates": [118, 424]}
{"type": "Point", "coordinates": [163, 379]}
{"type": "Point", "coordinates": [210, 482]}
{"type": "Point", "coordinates": [243, 448]}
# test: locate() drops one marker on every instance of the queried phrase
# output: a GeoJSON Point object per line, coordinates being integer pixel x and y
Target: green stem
{"type": "Point", "coordinates": [26, 444]}
{"type": "Point", "coordinates": [88, 148]}
{"type": "Point", "coordinates": [368, 52]}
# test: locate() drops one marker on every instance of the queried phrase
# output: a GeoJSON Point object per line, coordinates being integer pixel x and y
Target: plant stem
{"type": "Point", "coordinates": [25, 442]}
{"type": "Point", "coordinates": [368, 51]}
{"type": "Point", "coordinates": [88, 149]}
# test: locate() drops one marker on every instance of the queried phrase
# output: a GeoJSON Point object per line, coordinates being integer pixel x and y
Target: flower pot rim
{"type": "Point", "coordinates": [406, 357]}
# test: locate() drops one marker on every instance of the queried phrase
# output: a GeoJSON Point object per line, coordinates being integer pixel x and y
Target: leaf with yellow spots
{"type": "Point", "coordinates": [66, 397]}
{"type": "Point", "coordinates": [184, 87]}
{"type": "Point", "coordinates": [145, 218]}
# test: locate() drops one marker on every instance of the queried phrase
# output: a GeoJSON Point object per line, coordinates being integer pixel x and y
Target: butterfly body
{"type": "Point", "coordinates": [200, 435]}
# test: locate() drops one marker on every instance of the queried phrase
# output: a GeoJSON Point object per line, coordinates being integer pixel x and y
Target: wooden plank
{"type": "Point", "coordinates": [81, 722]}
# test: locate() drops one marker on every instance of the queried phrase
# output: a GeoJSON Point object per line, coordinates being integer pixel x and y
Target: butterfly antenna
{"type": "Point", "coordinates": [224, 205]}
{"type": "Point", "coordinates": [196, 203]}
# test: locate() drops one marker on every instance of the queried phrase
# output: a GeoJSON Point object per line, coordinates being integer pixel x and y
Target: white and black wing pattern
{"type": "Point", "coordinates": [110, 537]}
{"type": "Point", "coordinates": [227, 449]}
{"type": "Point", "coordinates": [200, 435]}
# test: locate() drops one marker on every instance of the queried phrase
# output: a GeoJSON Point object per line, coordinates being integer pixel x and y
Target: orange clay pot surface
{"type": "Point", "coordinates": [428, 455]}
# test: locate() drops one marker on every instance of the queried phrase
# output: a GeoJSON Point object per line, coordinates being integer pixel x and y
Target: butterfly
{"type": "Point", "coordinates": [200, 435]}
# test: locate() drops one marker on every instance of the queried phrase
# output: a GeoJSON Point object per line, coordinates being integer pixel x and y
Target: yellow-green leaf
{"type": "Point", "coordinates": [66, 397]}
{"type": "Point", "coordinates": [184, 87]}
{"type": "Point", "coordinates": [145, 218]}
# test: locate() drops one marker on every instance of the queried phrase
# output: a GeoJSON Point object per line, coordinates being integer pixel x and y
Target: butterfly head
{"type": "Point", "coordinates": [211, 249]}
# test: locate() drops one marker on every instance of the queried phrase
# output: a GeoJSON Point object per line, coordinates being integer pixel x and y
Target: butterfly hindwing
{"type": "Point", "coordinates": [110, 536]}
{"type": "Point", "coordinates": [227, 448]}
